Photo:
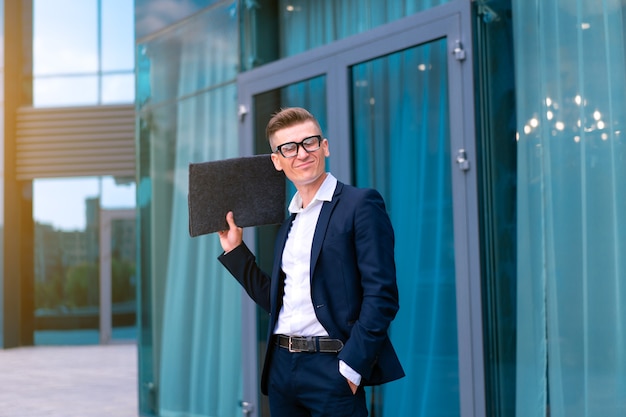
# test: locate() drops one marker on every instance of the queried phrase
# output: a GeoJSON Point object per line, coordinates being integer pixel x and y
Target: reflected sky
{"type": "Point", "coordinates": [65, 36]}
{"type": "Point", "coordinates": [71, 64]}
{"type": "Point", "coordinates": [83, 55]}
{"type": "Point", "coordinates": [60, 202]}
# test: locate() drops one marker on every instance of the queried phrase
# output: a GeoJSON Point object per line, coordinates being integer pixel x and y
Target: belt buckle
{"type": "Point", "coordinates": [291, 349]}
{"type": "Point", "coordinates": [310, 345]}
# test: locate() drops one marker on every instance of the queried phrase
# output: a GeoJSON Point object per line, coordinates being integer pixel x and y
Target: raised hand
{"type": "Point", "coordinates": [233, 236]}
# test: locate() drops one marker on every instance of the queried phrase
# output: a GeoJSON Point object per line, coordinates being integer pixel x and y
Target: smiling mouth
{"type": "Point", "coordinates": [305, 164]}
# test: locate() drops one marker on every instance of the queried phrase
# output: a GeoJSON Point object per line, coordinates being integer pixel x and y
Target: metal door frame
{"type": "Point", "coordinates": [453, 22]}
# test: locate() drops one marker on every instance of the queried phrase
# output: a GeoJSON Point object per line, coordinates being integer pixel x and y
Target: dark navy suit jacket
{"type": "Point", "coordinates": [353, 281]}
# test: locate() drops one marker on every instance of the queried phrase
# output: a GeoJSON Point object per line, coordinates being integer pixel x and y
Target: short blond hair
{"type": "Point", "coordinates": [288, 117]}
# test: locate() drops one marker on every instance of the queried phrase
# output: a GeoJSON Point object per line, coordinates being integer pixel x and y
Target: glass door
{"type": "Point", "coordinates": [309, 94]}
{"type": "Point", "coordinates": [401, 141]}
{"type": "Point", "coordinates": [398, 115]}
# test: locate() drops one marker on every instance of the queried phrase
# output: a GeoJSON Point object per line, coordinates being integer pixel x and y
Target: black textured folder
{"type": "Point", "coordinates": [250, 187]}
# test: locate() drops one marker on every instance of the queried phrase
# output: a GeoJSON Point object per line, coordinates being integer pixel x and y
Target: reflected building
{"type": "Point", "coordinates": [57, 251]}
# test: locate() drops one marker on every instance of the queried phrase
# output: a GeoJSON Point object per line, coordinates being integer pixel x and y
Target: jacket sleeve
{"type": "Point", "coordinates": [241, 263]}
{"type": "Point", "coordinates": [374, 249]}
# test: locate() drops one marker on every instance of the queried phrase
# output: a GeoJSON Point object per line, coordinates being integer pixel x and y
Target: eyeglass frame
{"type": "Point", "coordinates": [298, 144]}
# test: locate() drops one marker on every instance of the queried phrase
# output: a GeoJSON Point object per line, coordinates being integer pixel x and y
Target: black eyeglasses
{"type": "Point", "coordinates": [290, 149]}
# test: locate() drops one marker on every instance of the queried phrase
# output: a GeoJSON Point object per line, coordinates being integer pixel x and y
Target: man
{"type": "Point", "coordinates": [332, 293]}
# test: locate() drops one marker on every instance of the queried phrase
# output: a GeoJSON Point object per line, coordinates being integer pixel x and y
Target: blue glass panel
{"type": "Point", "coordinates": [401, 145]}
{"type": "Point", "coordinates": [571, 297]}
{"type": "Point", "coordinates": [190, 328]}
{"type": "Point", "coordinates": [189, 58]}
{"type": "Point", "coordinates": [151, 16]}
{"type": "Point", "coordinates": [306, 24]}
{"type": "Point", "coordinates": [495, 102]}
{"type": "Point", "coordinates": [197, 329]}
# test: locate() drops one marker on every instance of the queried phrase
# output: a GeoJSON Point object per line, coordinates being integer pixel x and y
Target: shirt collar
{"type": "Point", "coordinates": [325, 193]}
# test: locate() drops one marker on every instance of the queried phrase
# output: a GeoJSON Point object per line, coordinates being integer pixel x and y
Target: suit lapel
{"type": "Point", "coordinates": [322, 226]}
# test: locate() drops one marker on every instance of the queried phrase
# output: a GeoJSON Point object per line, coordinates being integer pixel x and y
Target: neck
{"type": "Point", "coordinates": [308, 191]}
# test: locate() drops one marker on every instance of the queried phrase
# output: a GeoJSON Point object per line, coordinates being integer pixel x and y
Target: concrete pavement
{"type": "Point", "coordinates": [69, 381]}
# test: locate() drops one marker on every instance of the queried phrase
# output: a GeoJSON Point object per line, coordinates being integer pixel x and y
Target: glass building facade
{"type": "Point", "coordinates": [83, 55]}
{"type": "Point", "coordinates": [494, 131]}
{"type": "Point", "coordinates": [70, 101]}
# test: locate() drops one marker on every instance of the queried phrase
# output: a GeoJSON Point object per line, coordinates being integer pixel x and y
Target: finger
{"type": "Point", "coordinates": [230, 219]}
{"type": "Point", "coordinates": [353, 386]}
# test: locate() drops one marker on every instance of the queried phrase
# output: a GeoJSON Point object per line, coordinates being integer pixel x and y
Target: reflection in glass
{"type": "Point", "coordinates": [65, 37]}
{"type": "Point", "coordinates": [118, 88]}
{"type": "Point", "coordinates": [67, 256]}
{"type": "Point", "coordinates": [186, 59]}
{"type": "Point", "coordinates": [570, 357]}
{"type": "Point", "coordinates": [123, 276]}
{"type": "Point", "coordinates": [152, 16]}
{"type": "Point", "coordinates": [117, 17]}
{"type": "Point", "coordinates": [326, 22]}
{"type": "Point", "coordinates": [188, 306]}
{"type": "Point", "coordinates": [65, 91]}
{"type": "Point", "coordinates": [83, 52]}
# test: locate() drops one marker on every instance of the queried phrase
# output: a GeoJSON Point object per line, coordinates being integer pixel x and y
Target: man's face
{"type": "Point", "coordinates": [306, 167]}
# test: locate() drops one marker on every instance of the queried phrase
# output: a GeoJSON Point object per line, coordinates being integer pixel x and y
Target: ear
{"type": "Point", "coordinates": [325, 147]}
{"type": "Point", "coordinates": [276, 161]}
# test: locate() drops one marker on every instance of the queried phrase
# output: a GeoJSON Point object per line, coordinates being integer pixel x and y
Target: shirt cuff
{"type": "Point", "coordinates": [352, 375]}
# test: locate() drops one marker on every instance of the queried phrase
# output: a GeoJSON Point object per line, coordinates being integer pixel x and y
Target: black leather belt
{"type": "Point", "coordinates": [310, 344]}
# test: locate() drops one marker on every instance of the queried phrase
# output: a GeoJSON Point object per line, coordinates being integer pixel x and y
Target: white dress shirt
{"type": "Point", "coordinates": [297, 314]}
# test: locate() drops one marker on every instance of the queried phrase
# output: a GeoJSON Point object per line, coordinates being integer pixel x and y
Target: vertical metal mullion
{"type": "Point", "coordinates": [339, 122]}
{"type": "Point", "coordinates": [249, 329]}
{"type": "Point", "coordinates": [466, 227]}
{"type": "Point", "coordinates": [105, 312]}
{"type": "Point", "coordinates": [99, 37]}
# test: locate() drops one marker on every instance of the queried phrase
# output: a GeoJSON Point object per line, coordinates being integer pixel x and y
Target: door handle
{"type": "Point", "coordinates": [461, 160]}
{"type": "Point", "coordinates": [246, 407]}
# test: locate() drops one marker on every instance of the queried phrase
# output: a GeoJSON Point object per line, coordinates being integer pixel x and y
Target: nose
{"type": "Point", "coordinates": [302, 153]}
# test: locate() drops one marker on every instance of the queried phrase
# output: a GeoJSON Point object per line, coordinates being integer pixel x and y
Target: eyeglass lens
{"type": "Point", "coordinates": [290, 149]}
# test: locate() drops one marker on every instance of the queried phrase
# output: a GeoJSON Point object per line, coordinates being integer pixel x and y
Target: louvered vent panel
{"type": "Point", "coordinates": [75, 142]}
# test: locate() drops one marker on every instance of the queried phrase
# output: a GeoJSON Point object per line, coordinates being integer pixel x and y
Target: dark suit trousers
{"type": "Point", "coordinates": [310, 385]}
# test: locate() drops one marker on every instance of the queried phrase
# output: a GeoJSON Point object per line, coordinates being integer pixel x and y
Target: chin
{"type": "Point", "coordinates": [307, 179]}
